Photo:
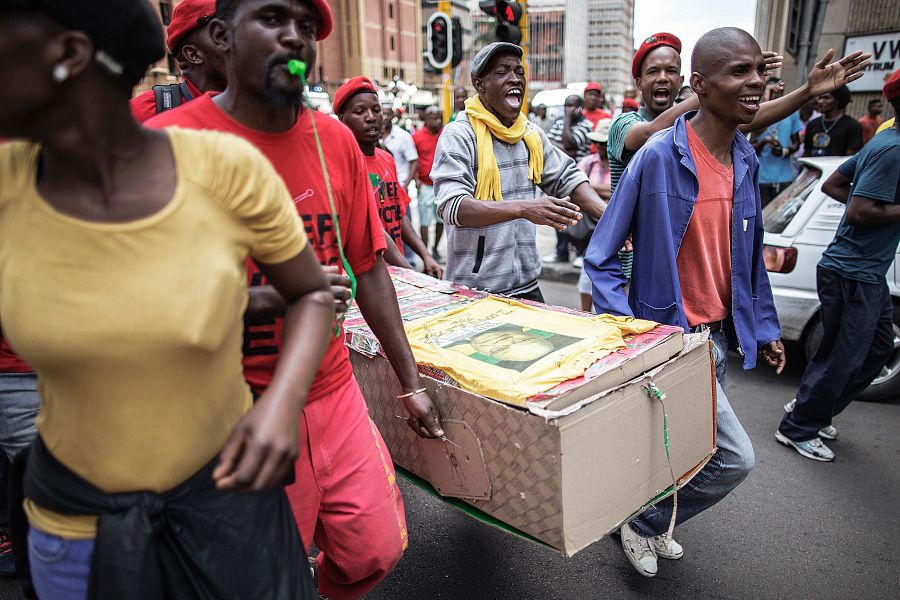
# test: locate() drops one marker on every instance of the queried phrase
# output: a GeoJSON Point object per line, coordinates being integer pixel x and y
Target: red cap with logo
{"type": "Point", "coordinates": [654, 41]}
{"type": "Point", "coordinates": [593, 85]}
{"type": "Point", "coordinates": [892, 86]}
{"type": "Point", "coordinates": [187, 17]}
{"type": "Point", "coordinates": [630, 103]}
{"type": "Point", "coordinates": [350, 89]}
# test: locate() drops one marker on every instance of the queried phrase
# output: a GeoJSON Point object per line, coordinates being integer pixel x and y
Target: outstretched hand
{"type": "Point", "coordinates": [773, 61]}
{"type": "Point", "coordinates": [825, 77]}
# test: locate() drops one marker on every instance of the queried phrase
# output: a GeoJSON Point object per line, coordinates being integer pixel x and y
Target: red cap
{"type": "Point", "coordinates": [351, 88]}
{"type": "Point", "coordinates": [630, 103]}
{"type": "Point", "coordinates": [188, 16]}
{"type": "Point", "coordinates": [892, 86]}
{"type": "Point", "coordinates": [593, 85]}
{"type": "Point", "coordinates": [654, 41]}
{"type": "Point", "coordinates": [325, 18]}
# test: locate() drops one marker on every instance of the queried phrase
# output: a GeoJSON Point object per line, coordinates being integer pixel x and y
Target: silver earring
{"type": "Point", "coordinates": [60, 73]}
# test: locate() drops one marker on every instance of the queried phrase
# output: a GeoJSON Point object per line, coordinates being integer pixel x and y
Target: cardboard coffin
{"type": "Point", "coordinates": [571, 466]}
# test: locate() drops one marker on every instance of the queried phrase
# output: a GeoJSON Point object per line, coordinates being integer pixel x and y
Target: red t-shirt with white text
{"type": "Point", "coordinates": [426, 144]}
{"type": "Point", "coordinates": [390, 197]}
{"type": "Point", "coordinates": [293, 154]}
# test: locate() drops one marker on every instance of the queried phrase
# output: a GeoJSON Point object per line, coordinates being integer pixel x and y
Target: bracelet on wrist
{"type": "Point", "coordinates": [410, 394]}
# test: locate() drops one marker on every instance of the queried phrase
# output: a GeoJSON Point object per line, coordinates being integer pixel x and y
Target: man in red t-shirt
{"type": "Point", "coordinates": [872, 120]}
{"type": "Point", "coordinates": [356, 105]}
{"type": "Point", "coordinates": [202, 67]}
{"type": "Point", "coordinates": [426, 140]}
{"type": "Point", "coordinates": [593, 104]}
{"type": "Point", "coordinates": [345, 497]}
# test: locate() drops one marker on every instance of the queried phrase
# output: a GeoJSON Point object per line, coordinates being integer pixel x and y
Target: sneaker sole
{"type": "Point", "coordinates": [779, 437]}
{"type": "Point", "coordinates": [668, 556]}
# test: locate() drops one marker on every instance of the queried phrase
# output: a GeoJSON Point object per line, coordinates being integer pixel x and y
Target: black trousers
{"type": "Point", "coordinates": [857, 343]}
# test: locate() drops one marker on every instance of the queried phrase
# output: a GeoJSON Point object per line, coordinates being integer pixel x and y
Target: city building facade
{"type": "Point", "coordinates": [803, 30]}
{"type": "Point", "coordinates": [609, 50]}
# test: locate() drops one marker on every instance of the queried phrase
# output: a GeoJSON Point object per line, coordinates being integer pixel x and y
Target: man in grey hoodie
{"type": "Point", "coordinates": [496, 176]}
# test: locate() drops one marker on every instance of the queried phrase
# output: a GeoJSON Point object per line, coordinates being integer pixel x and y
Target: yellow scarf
{"type": "Point", "coordinates": [484, 123]}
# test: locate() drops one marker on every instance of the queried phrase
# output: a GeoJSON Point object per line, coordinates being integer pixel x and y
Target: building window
{"type": "Point", "coordinates": [402, 74]}
{"type": "Point", "coordinates": [390, 10]}
{"type": "Point", "coordinates": [392, 42]}
{"type": "Point", "coordinates": [165, 11]}
{"type": "Point", "coordinates": [795, 17]}
{"type": "Point", "coordinates": [386, 73]}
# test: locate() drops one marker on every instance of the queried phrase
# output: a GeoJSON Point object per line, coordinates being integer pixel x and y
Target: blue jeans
{"type": "Point", "coordinates": [60, 568]}
{"type": "Point", "coordinates": [728, 467]}
{"type": "Point", "coordinates": [19, 403]}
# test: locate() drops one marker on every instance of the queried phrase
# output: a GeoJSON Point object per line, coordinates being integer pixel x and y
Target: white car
{"type": "Point", "coordinates": [800, 223]}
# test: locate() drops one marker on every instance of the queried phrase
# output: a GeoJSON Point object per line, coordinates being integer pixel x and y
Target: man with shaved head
{"type": "Point", "coordinates": [690, 201]}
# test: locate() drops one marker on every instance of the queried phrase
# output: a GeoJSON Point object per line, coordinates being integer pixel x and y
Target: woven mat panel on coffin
{"type": "Point", "coordinates": [521, 451]}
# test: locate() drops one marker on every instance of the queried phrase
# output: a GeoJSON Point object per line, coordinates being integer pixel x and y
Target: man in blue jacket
{"type": "Point", "coordinates": [690, 200]}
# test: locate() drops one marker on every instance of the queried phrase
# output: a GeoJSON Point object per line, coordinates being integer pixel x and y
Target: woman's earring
{"type": "Point", "coordinates": [60, 73]}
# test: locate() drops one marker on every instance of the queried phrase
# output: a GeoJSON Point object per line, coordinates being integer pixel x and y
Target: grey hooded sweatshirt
{"type": "Point", "coordinates": [502, 258]}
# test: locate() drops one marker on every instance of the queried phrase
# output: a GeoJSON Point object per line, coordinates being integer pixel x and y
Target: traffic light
{"type": "Point", "coordinates": [509, 21]}
{"type": "Point", "coordinates": [440, 40]}
{"type": "Point", "coordinates": [457, 43]}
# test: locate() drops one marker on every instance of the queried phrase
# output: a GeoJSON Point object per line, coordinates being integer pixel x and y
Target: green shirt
{"type": "Point", "coordinates": [619, 156]}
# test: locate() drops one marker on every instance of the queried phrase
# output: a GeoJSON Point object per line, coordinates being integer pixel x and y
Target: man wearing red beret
{"type": "Point", "coordinates": [345, 497]}
{"type": "Point", "coordinates": [202, 67]}
{"type": "Point", "coordinates": [593, 104]}
{"type": "Point", "coordinates": [356, 105]}
{"type": "Point", "coordinates": [857, 311]}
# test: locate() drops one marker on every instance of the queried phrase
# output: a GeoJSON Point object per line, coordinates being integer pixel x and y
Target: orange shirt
{"type": "Point", "coordinates": [704, 258]}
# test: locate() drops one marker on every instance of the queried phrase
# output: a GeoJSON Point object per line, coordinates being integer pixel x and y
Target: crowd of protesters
{"type": "Point", "coordinates": [200, 425]}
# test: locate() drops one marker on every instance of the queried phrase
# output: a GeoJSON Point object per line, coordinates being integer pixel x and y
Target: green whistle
{"type": "Point", "coordinates": [297, 68]}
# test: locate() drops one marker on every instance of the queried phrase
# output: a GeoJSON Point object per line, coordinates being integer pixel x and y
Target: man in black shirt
{"type": "Point", "coordinates": [833, 133]}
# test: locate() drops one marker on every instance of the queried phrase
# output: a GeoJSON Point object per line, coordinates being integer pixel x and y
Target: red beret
{"type": "Point", "coordinates": [325, 18]}
{"type": "Point", "coordinates": [630, 103]}
{"type": "Point", "coordinates": [593, 85]}
{"type": "Point", "coordinates": [188, 16]}
{"type": "Point", "coordinates": [349, 89]}
{"type": "Point", "coordinates": [892, 86]}
{"type": "Point", "coordinates": [654, 41]}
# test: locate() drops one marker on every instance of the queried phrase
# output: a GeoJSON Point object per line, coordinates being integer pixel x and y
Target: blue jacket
{"type": "Point", "coordinates": [654, 202]}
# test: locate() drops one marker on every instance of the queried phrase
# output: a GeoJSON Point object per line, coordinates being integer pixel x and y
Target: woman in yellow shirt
{"type": "Point", "coordinates": [123, 283]}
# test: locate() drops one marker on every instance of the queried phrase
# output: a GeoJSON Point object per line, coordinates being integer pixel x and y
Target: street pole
{"type": "Point", "coordinates": [445, 7]}
{"type": "Point", "coordinates": [524, 28]}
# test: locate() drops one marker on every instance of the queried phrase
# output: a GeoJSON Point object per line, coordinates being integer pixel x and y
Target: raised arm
{"type": "Point", "coordinates": [823, 78]}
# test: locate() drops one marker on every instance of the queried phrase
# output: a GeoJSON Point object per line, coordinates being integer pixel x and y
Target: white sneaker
{"type": "Point", "coordinates": [826, 433]}
{"type": "Point", "coordinates": [639, 551]}
{"type": "Point", "coordinates": [666, 547]}
{"type": "Point", "coordinates": [814, 448]}
{"type": "Point", "coordinates": [578, 262]}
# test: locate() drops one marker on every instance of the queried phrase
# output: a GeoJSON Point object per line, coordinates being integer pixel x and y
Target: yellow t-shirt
{"type": "Point", "coordinates": [135, 329]}
{"type": "Point", "coordinates": [886, 125]}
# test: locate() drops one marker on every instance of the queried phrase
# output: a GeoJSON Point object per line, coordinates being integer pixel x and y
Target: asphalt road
{"type": "Point", "coordinates": [795, 528]}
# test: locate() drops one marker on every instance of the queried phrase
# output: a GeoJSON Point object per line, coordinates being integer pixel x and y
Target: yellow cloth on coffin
{"type": "Point", "coordinates": [485, 124]}
{"type": "Point", "coordinates": [509, 351]}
